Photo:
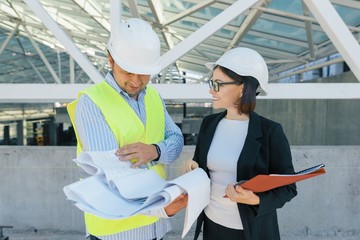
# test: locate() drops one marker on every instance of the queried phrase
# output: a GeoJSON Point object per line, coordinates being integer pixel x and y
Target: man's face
{"type": "Point", "coordinates": [131, 83]}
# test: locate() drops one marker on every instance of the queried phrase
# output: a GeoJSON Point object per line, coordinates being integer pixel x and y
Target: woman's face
{"type": "Point", "coordinates": [228, 95]}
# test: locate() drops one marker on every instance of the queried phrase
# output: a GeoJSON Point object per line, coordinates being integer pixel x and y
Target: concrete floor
{"type": "Point", "coordinates": [177, 223]}
{"type": "Point", "coordinates": [169, 236]}
{"type": "Point", "coordinates": [331, 233]}
{"type": "Point", "coordinates": [31, 234]}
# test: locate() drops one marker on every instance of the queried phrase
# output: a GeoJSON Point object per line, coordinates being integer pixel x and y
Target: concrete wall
{"type": "Point", "coordinates": [32, 179]}
{"type": "Point", "coordinates": [305, 121]}
{"type": "Point", "coordinates": [31, 185]}
{"type": "Point", "coordinates": [315, 122]}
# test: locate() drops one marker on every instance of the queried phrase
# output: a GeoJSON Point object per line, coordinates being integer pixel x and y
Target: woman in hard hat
{"type": "Point", "coordinates": [238, 144]}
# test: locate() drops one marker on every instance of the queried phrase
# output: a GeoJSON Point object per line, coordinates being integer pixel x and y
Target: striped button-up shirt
{"type": "Point", "coordinates": [96, 135]}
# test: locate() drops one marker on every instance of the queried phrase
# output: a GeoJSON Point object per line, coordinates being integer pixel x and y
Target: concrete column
{"type": "Point", "coordinates": [6, 135]}
{"type": "Point", "coordinates": [20, 132]}
{"type": "Point", "coordinates": [52, 132]}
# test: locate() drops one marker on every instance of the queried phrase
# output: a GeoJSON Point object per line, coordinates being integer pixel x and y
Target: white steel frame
{"type": "Point", "coordinates": [323, 11]}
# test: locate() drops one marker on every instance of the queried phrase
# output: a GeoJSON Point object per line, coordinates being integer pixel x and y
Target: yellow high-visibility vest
{"type": "Point", "coordinates": [127, 128]}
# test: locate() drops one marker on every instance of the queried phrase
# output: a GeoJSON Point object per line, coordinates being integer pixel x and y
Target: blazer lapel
{"type": "Point", "coordinates": [251, 148]}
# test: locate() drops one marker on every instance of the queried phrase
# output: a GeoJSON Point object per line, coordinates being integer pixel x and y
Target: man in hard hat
{"type": "Point", "coordinates": [124, 113]}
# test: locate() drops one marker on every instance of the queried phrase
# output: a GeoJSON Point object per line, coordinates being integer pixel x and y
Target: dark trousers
{"type": "Point", "coordinates": [95, 238]}
{"type": "Point", "coordinates": [214, 231]}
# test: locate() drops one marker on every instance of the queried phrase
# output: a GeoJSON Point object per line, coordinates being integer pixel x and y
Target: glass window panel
{"type": "Point", "coordinates": [189, 24]}
{"type": "Point", "coordinates": [293, 6]}
{"type": "Point", "coordinates": [237, 21]}
{"type": "Point", "coordinates": [288, 31]}
{"type": "Point", "coordinates": [225, 33]}
{"type": "Point", "coordinates": [208, 12]}
{"type": "Point", "coordinates": [273, 44]}
{"type": "Point", "coordinates": [176, 5]}
{"type": "Point", "coordinates": [350, 16]}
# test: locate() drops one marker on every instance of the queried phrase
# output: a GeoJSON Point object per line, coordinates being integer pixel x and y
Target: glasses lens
{"type": "Point", "coordinates": [211, 83]}
{"type": "Point", "coordinates": [216, 86]}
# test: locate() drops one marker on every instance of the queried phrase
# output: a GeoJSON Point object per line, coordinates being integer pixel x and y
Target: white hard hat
{"type": "Point", "coordinates": [135, 47]}
{"type": "Point", "coordinates": [245, 62]}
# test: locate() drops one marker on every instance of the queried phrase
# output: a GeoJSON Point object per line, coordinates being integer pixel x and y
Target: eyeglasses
{"type": "Point", "coordinates": [216, 85]}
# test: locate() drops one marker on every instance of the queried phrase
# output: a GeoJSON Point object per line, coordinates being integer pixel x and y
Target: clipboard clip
{"type": "Point", "coordinates": [239, 183]}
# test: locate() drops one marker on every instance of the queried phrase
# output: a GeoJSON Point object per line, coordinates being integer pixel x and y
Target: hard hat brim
{"type": "Point", "coordinates": [155, 68]}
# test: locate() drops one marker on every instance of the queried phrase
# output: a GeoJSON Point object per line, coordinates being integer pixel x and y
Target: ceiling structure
{"type": "Point", "coordinates": [51, 49]}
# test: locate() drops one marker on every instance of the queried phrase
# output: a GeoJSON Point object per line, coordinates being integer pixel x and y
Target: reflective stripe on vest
{"type": "Point", "coordinates": [129, 129]}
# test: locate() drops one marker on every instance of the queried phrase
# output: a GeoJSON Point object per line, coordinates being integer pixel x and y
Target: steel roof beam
{"type": "Point", "coordinates": [293, 19]}
{"type": "Point", "coordinates": [347, 3]}
{"type": "Point", "coordinates": [9, 37]}
{"type": "Point", "coordinates": [247, 23]}
{"type": "Point", "coordinates": [309, 35]}
{"type": "Point", "coordinates": [134, 8]}
{"type": "Point", "coordinates": [278, 38]}
{"type": "Point", "coordinates": [189, 11]}
{"type": "Point", "coordinates": [338, 32]}
{"type": "Point", "coordinates": [205, 31]}
{"type": "Point", "coordinates": [309, 68]}
{"type": "Point", "coordinates": [37, 71]}
{"type": "Point", "coordinates": [115, 14]}
{"type": "Point", "coordinates": [323, 50]}
{"type": "Point", "coordinates": [42, 56]}
{"type": "Point", "coordinates": [50, 93]}
{"type": "Point", "coordinates": [157, 10]}
{"type": "Point", "coordinates": [63, 38]}
{"type": "Point", "coordinates": [88, 7]}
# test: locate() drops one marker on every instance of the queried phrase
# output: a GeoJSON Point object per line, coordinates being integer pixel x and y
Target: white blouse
{"type": "Point", "coordinates": [223, 156]}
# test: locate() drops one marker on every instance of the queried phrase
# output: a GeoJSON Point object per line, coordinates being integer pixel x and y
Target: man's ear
{"type": "Point", "coordinates": [111, 60]}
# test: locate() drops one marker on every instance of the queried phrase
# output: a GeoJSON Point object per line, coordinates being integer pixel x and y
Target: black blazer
{"type": "Point", "coordinates": [266, 150]}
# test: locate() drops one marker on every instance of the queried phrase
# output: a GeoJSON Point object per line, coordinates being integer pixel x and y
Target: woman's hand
{"type": "Point", "coordinates": [241, 195]}
{"type": "Point", "coordinates": [189, 165]}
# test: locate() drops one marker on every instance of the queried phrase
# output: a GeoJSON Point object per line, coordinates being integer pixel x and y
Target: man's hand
{"type": "Point", "coordinates": [241, 195]}
{"type": "Point", "coordinates": [139, 153]}
{"type": "Point", "coordinates": [175, 206]}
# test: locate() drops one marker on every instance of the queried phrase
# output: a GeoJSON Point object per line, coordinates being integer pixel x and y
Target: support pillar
{"type": "Point", "coordinates": [20, 132]}
{"type": "Point", "coordinates": [6, 135]}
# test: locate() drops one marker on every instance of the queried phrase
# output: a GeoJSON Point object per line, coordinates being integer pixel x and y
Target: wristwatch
{"type": "Point", "coordinates": [158, 152]}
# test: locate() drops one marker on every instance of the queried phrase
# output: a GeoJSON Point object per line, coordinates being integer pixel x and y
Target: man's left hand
{"type": "Point", "coordinates": [141, 153]}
